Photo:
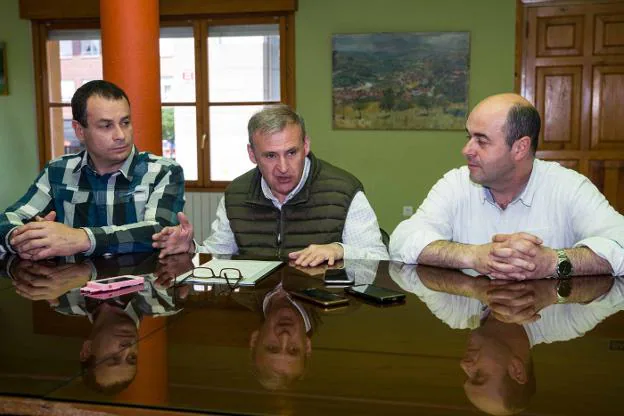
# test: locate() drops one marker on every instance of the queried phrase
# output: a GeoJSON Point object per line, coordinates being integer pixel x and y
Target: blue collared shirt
{"type": "Point", "coordinates": [119, 211]}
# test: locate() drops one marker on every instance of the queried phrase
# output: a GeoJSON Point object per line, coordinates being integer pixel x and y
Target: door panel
{"type": "Point", "coordinates": [609, 39]}
{"type": "Point", "coordinates": [608, 175]}
{"type": "Point", "coordinates": [558, 96]}
{"type": "Point", "coordinates": [608, 108]}
{"type": "Point", "coordinates": [572, 69]}
{"type": "Point", "coordinates": [560, 36]}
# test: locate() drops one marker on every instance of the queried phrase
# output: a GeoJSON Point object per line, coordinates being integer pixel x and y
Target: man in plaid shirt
{"type": "Point", "coordinates": [109, 198]}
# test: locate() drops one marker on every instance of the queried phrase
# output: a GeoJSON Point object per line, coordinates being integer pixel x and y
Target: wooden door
{"type": "Point", "coordinates": [571, 61]}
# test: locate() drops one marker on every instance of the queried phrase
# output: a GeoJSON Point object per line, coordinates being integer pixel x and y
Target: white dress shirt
{"type": "Point", "coordinates": [573, 320]}
{"type": "Point", "coordinates": [458, 312]}
{"type": "Point", "coordinates": [361, 238]}
{"type": "Point", "coordinates": [557, 322]}
{"type": "Point", "coordinates": [559, 205]}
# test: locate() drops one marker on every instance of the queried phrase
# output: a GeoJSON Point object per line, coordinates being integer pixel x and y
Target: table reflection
{"type": "Point", "coordinates": [507, 319]}
{"type": "Point", "coordinates": [248, 350]}
{"type": "Point", "coordinates": [280, 344]}
{"type": "Point", "coordinates": [109, 354]}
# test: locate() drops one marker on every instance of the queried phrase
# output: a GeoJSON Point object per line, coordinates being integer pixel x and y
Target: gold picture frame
{"type": "Point", "coordinates": [4, 78]}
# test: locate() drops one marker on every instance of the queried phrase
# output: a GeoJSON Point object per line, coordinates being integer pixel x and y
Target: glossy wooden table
{"type": "Point", "coordinates": [364, 359]}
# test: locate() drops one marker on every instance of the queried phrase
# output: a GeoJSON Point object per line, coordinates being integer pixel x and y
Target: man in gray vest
{"type": "Point", "coordinates": [292, 204]}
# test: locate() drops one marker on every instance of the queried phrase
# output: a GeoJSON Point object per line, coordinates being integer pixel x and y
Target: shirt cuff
{"type": "Point", "coordinates": [91, 241]}
{"type": "Point", "coordinates": [608, 250]}
{"type": "Point", "coordinates": [344, 249]}
{"type": "Point", "coordinates": [94, 274]}
{"type": "Point", "coordinates": [6, 241]}
{"type": "Point", "coordinates": [9, 266]}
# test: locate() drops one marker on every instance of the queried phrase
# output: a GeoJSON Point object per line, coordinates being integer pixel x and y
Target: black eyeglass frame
{"type": "Point", "coordinates": [222, 275]}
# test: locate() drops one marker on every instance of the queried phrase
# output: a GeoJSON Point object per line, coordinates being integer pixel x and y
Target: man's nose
{"type": "Point", "coordinates": [466, 365]}
{"type": "Point", "coordinates": [282, 165]}
{"type": "Point", "coordinates": [119, 132]}
{"type": "Point", "coordinates": [284, 338]}
{"type": "Point", "coordinates": [468, 149]}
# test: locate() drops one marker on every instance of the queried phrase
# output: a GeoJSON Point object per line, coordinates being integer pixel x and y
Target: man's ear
{"type": "Point", "coordinates": [253, 339]}
{"type": "Point", "coordinates": [85, 351]}
{"type": "Point", "coordinates": [252, 155]}
{"type": "Point", "coordinates": [308, 346]}
{"type": "Point", "coordinates": [79, 130]}
{"type": "Point", "coordinates": [306, 145]}
{"type": "Point", "coordinates": [517, 371]}
{"type": "Point", "coordinates": [521, 147]}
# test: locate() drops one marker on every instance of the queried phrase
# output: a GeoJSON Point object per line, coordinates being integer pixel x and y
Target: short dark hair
{"type": "Point", "coordinates": [89, 378]}
{"type": "Point", "coordinates": [98, 88]}
{"type": "Point", "coordinates": [523, 120]}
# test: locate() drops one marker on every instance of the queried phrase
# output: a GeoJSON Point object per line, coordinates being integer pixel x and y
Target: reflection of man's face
{"type": "Point", "coordinates": [280, 348]}
{"type": "Point", "coordinates": [485, 365]}
{"type": "Point", "coordinates": [495, 374]}
{"type": "Point", "coordinates": [113, 346]}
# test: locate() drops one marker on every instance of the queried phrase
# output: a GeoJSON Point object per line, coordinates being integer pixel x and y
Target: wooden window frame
{"type": "Point", "coordinates": [46, 20]}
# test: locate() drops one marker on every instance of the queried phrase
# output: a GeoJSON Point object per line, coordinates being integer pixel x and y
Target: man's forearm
{"type": "Point", "coordinates": [129, 238]}
{"type": "Point", "coordinates": [450, 281]}
{"type": "Point", "coordinates": [586, 262]}
{"type": "Point", "coordinates": [447, 254]}
{"type": "Point", "coordinates": [587, 289]}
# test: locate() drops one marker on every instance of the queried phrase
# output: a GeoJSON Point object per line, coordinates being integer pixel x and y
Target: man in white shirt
{"type": "Point", "coordinates": [507, 320]}
{"type": "Point", "coordinates": [509, 215]}
{"type": "Point", "coordinates": [292, 204]}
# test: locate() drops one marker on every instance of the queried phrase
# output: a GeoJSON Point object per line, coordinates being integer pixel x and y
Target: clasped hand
{"type": "Point", "coordinates": [47, 281]}
{"type": "Point", "coordinates": [516, 256]}
{"type": "Point", "coordinates": [518, 302]}
{"type": "Point", "coordinates": [45, 238]}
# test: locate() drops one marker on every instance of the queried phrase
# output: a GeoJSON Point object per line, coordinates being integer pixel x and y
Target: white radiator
{"type": "Point", "coordinates": [201, 208]}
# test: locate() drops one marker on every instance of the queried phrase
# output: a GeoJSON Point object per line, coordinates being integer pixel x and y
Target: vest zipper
{"type": "Point", "coordinates": [280, 233]}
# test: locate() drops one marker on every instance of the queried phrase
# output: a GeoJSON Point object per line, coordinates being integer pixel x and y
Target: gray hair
{"type": "Point", "coordinates": [273, 119]}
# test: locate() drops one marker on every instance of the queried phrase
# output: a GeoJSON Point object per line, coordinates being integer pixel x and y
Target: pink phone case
{"type": "Point", "coordinates": [114, 293]}
{"type": "Point", "coordinates": [112, 283]}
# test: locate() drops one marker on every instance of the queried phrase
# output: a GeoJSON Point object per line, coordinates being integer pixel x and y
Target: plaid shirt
{"type": "Point", "coordinates": [119, 211]}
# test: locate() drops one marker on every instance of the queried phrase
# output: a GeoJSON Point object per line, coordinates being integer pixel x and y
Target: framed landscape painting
{"type": "Point", "coordinates": [400, 81]}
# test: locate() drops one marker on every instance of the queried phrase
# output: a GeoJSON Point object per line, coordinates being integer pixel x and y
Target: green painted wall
{"type": "Point", "coordinates": [19, 156]}
{"type": "Point", "coordinates": [397, 167]}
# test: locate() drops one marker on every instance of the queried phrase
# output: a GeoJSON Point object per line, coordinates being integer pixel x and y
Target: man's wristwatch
{"type": "Point", "coordinates": [563, 290]}
{"type": "Point", "coordinates": [564, 269]}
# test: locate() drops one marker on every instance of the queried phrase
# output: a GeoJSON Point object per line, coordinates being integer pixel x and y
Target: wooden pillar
{"type": "Point", "coordinates": [151, 384]}
{"type": "Point", "coordinates": [130, 57]}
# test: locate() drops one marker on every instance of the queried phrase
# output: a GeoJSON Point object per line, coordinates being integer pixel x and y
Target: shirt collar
{"type": "Point", "coordinates": [301, 309]}
{"type": "Point", "coordinates": [124, 169]}
{"type": "Point", "coordinates": [266, 190]}
{"type": "Point", "coordinates": [526, 195]}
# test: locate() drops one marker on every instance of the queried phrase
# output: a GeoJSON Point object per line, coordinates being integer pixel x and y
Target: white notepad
{"type": "Point", "coordinates": [251, 270]}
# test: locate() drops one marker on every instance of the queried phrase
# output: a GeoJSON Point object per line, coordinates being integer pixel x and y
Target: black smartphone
{"type": "Point", "coordinates": [376, 294]}
{"type": "Point", "coordinates": [321, 297]}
